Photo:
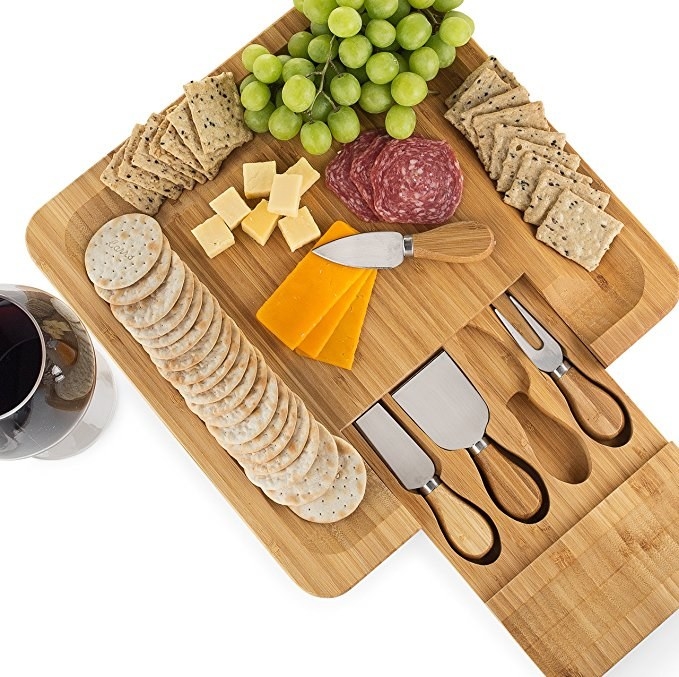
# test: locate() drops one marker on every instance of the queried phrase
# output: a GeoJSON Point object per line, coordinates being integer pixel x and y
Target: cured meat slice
{"type": "Point", "coordinates": [362, 165]}
{"type": "Point", "coordinates": [338, 176]}
{"type": "Point", "coordinates": [416, 181]}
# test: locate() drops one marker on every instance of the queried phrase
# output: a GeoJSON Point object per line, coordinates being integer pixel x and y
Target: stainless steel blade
{"type": "Point", "coordinates": [413, 468]}
{"type": "Point", "coordinates": [366, 250]}
{"type": "Point", "coordinates": [445, 404]}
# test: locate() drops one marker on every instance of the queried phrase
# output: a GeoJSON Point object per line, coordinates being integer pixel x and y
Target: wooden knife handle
{"type": "Point", "coordinates": [462, 242]}
{"type": "Point", "coordinates": [466, 527]}
{"type": "Point", "coordinates": [597, 412]}
{"type": "Point", "coordinates": [514, 485]}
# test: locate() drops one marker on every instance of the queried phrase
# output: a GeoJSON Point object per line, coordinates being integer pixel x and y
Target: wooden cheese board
{"type": "Point", "coordinates": [578, 589]}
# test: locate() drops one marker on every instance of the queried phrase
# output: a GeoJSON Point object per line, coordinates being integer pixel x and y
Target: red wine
{"type": "Point", "coordinates": [20, 356]}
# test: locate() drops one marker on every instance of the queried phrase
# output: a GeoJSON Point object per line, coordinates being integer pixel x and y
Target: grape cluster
{"type": "Point", "coordinates": [377, 54]}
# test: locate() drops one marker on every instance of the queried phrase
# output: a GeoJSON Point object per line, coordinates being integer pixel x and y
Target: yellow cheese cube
{"type": "Point", "coordinates": [299, 230]}
{"type": "Point", "coordinates": [285, 193]}
{"type": "Point", "coordinates": [231, 207]}
{"type": "Point", "coordinates": [257, 178]}
{"type": "Point", "coordinates": [306, 171]}
{"type": "Point", "coordinates": [260, 223]}
{"type": "Point", "coordinates": [214, 236]}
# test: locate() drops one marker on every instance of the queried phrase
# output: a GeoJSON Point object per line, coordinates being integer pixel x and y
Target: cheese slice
{"type": "Point", "coordinates": [308, 293]}
{"type": "Point", "coordinates": [286, 191]}
{"type": "Point", "coordinates": [214, 236]}
{"type": "Point", "coordinates": [299, 230]}
{"type": "Point", "coordinates": [306, 171]}
{"type": "Point", "coordinates": [340, 350]}
{"type": "Point", "coordinates": [257, 178]}
{"type": "Point", "coordinates": [313, 344]}
{"type": "Point", "coordinates": [231, 207]}
{"type": "Point", "coordinates": [260, 223]}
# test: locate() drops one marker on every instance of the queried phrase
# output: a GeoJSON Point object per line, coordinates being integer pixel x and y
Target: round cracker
{"type": "Point", "coordinates": [187, 307]}
{"type": "Point", "coordinates": [144, 287]}
{"type": "Point", "coordinates": [229, 335]}
{"type": "Point", "coordinates": [153, 307]}
{"type": "Point", "coordinates": [161, 350]}
{"type": "Point", "coordinates": [345, 493]}
{"type": "Point", "coordinates": [123, 251]}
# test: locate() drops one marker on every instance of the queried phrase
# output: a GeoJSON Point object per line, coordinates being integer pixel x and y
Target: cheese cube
{"type": "Point", "coordinates": [257, 178]}
{"type": "Point", "coordinates": [307, 172]}
{"type": "Point", "coordinates": [286, 191]}
{"type": "Point", "coordinates": [260, 223]}
{"type": "Point", "coordinates": [214, 236]}
{"type": "Point", "coordinates": [299, 230]}
{"type": "Point", "coordinates": [231, 207]}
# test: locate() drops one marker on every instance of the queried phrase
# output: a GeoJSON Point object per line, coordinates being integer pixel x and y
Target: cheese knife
{"type": "Point", "coordinates": [468, 530]}
{"type": "Point", "coordinates": [462, 242]}
{"type": "Point", "coordinates": [449, 409]}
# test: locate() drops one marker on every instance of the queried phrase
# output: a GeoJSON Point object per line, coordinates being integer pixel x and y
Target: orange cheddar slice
{"type": "Point", "coordinates": [307, 295]}
{"type": "Point", "coordinates": [340, 350]}
{"type": "Point", "coordinates": [321, 333]}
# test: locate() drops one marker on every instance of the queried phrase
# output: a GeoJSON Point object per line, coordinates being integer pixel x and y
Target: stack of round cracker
{"type": "Point", "coordinates": [223, 378]}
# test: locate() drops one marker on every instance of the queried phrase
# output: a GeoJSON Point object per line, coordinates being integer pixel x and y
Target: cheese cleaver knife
{"type": "Point", "coordinates": [449, 409]}
{"type": "Point", "coordinates": [469, 530]}
{"type": "Point", "coordinates": [462, 242]}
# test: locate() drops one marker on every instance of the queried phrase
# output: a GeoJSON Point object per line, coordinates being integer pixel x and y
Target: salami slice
{"type": "Point", "coordinates": [338, 176]}
{"type": "Point", "coordinates": [362, 165]}
{"type": "Point", "coordinates": [416, 181]}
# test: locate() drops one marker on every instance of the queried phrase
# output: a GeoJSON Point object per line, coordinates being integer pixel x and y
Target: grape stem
{"type": "Point", "coordinates": [323, 72]}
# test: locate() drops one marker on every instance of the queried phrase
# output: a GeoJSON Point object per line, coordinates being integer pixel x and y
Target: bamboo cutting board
{"type": "Point", "coordinates": [613, 514]}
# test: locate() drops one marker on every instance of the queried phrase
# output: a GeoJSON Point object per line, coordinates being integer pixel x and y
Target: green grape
{"type": "Point", "coordinates": [380, 32]}
{"type": "Point", "coordinates": [359, 74]}
{"type": "Point", "coordinates": [402, 10]}
{"type": "Point", "coordinates": [284, 58]}
{"type": "Point", "coordinates": [375, 98]}
{"type": "Point", "coordinates": [382, 68]}
{"type": "Point", "coordinates": [246, 81]}
{"type": "Point", "coordinates": [409, 89]}
{"type": "Point", "coordinates": [318, 11]}
{"type": "Point", "coordinates": [331, 75]}
{"type": "Point", "coordinates": [421, 4]}
{"type": "Point", "coordinates": [255, 96]}
{"type": "Point", "coordinates": [354, 52]}
{"type": "Point", "coordinates": [413, 31]}
{"type": "Point", "coordinates": [321, 109]}
{"type": "Point", "coordinates": [400, 122]}
{"type": "Point", "coordinates": [461, 15]}
{"type": "Point", "coordinates": [380, 9]}
{"type": "Point", "coordinates": [298, 93]}
{"type": "Point", "coordinates": [284, 124]}
{"type": "Point", "coordinates": [446, 5]}
{"type": "Point", "coordinates": [250, 54]}
{"type": "Point", "coordinates": [279, 98]}
{"type": "Point", "coordinates": [425, 62]}
{"type": "Point", "coordinates": [267, 68]}
{"type": "Point", "coordinates": [344, 124]}
{"type": "Point", "coordinates": [258, 120]}
{"type": "Point", "coordinates": [455, 31]}
{"type": "Point", "coordinates": [345, 22]}
{"type": "Point", "coordinates": [319, 29]}
{"type": "Point", "coordinates": [299, 5]}
{"type": "Point", "coordinates": [354, 4]}
{"type": "Point", "coordinates": [446, 53]}
{"type": "Point", "coordinates": [316, 138]}
{"type": "Point", "coordinates": [298, 66]}
{"type": "Point", "coordinates": [402, 62]}
{"type": "Point", "coordinates": [299, 44]}
{"type": "Point", "coordinates": [345, 89]}
{"type": "Point", "coordinates": [322, 48]}
{"type": "Point", "coordinates": [393, 47]}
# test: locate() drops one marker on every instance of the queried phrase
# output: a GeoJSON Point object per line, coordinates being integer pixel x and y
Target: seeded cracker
{"type": "Point", "coordinates": [503, 135]}
{"type": "Point", "coordinates": [170, 141]}
{"type": "Point", "coordinates": [178, 164]}
{"type": "Point", "coordinates": [532, 166]}
{"type": "Point", "coordinates": [509, 100]}
{"type": "Point", "coordinates": [549, 188]}
{"type": "Point", "coordinates": [217, 113]}
{"type": "Point", "coordinates": [491, 63]}
{"type": "Point", "coordinates": [144, 200]}
{"type": "Point", "coordinates": [486, 86]}
{"type": "Point", "coordinates": [578, 230]}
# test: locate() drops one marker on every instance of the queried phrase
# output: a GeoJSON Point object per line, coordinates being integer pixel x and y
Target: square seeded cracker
{"type": "Point", "coordinates": [529, 115]}
{"type": "Point", "coordinates": [528, 176]}
{"type": "Point", "coordinates": [217, 113]}
{"type": "Point", "coordinates": [503, 135]}
{"type": "Point", "coordinates": [157, 151]}
{"type": "Point", "coordinates": [549, 188]}
{"type": "Point", "coordinates": [518, 148]}
{"type": "Point", "coordinates": [578, 230]}
{"type": "Point", "coordinates": [492, 64]}
{"type": "Point", "coordinates": [486, 86]}
{"type": "Point", "coordinates": [143, 200]}
{"type": "Point", "coordinates": [170, 141]}
{"type": "Point", "coordinates": [128, 172]}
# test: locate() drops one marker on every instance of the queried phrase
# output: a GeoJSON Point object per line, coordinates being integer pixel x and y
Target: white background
{"type": "Point", "coordinates": [126, 560]}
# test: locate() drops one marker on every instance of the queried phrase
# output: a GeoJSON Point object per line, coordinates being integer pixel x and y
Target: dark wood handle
{"type": "Point", "coordinates": [597, 412]}
{"type": "Point", "coordinates": [515, 490]}
{"type": "Point", "coordinates": [465, 526]}
{"type": "Point", "coordinates": [462, 242]}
